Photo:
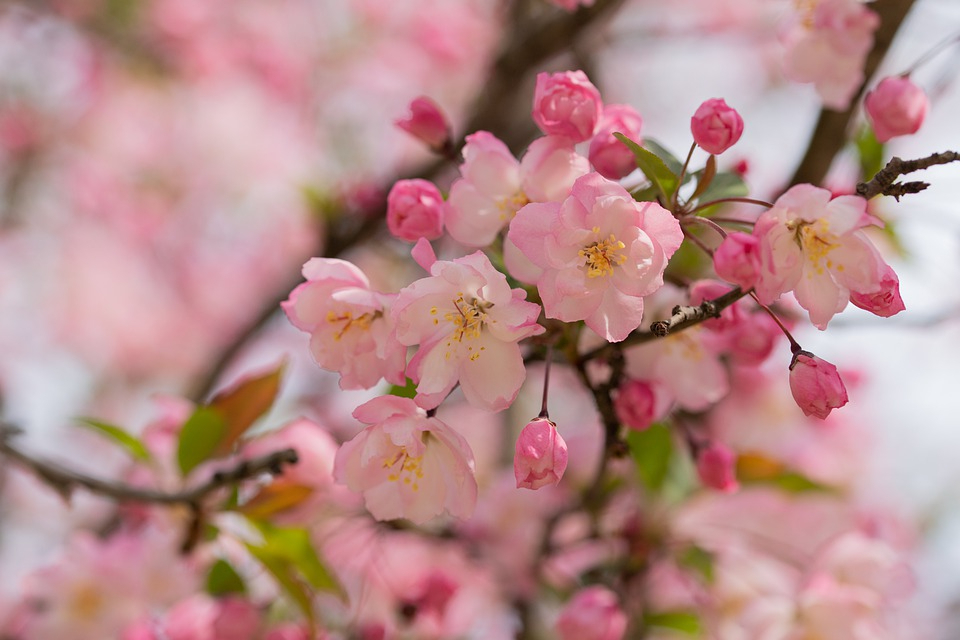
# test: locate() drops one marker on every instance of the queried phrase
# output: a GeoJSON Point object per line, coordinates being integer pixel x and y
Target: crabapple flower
{"type": "Point", "coordinates": [827, 45]}
{"type": "Point", "coordinates": [715, 466]}
{"type": "Point", "coordinates": [813, 246]}
{"type": "Point", "coordinates": [350, 329]}
{"type": "Point", "coordinates": [571, 5]}
{"type": "Point", "coordinates": [610, 157]}
{"type": "Point", "coordinates": [406, 464]}
{"type": "Point", "coordinates": [816, 385]}
{"type": "Point", "coordinates": [415, 210]}
{"type": "Point", "coordinates": [715, 126]}
{"type": "Point", "coordinates": [600, 251]}
{"type": "Point", "coordinates": [540, 457]}
{"type": "Point", "coordinates": [896, 107]}
{"type": "Point", "coordinates": [494, 186]}
{"type": "Point", "coordinates": [468, 323]}
{"type": "Point", "coordinates": [427, 123]}
{"type": "Point", "coordinates": [593, 613]}
{"type": "Point", "coordinates": [638, 404]}
{"type": "Point", "coordinates": [566, 104]}
{"type": "Point", "coordinates": [737, 259]}
{"type": "Point", "coordinates": [884, 303]}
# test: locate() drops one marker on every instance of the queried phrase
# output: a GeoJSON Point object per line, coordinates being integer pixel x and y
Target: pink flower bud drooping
{"type": "Point", "coordinates": [611, 158]}
{"type": "Point", "coordinates": [715, 466]}
{"type": "Point", "coordinates": [715, 126]}
{"type": "Point", "coordinates": [567, 104]}
{"type": "Point", "coordinates": [636, 404]}
{"type": "Point", "coordinates": [540, 457]}
{"type": "Point", "coordinates": [896, 107]}
{"type": "Point", "coordinates": [816, 385]}
{"type": "Point", "coordinates": [415, 210]}
{"type": "Point", "coordinates": [427, 123]}
{"type": "Point", "coordinates": [593, 613]}
{"type": "Point", "coordinates": [884, 302]}
{"type": "Point", "coordinates": [737, 259]}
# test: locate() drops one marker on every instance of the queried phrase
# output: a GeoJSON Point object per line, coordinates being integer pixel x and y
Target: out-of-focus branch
{"type": "Point", "coordinates": [830, 134]}
{"type": "Point", "coordinates": [529, 42]}
{"type": "Point", "coordinates": [883, 182]}
{"type": "Point", "coordinates": [64, 481]}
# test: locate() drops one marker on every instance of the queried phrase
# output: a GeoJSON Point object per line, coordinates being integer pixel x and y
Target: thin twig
{"type": "Point", "coordinates": [883, 182]}
{"type": "Point", "coordinates": [65, 480]}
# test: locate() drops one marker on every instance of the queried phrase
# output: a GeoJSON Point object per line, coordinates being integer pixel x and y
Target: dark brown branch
{"type": "Point", "coordinates": [884, 182]}
{"type": "Point", "coordinates": [64, 481]}
{"type": "Point", "coordinates": [830, 134]}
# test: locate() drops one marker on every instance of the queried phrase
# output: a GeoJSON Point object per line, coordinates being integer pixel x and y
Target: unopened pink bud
{"type": "Point", "coordinates": [816, 385]}
{"type": "Point", "coordinates": [716, 467]}
{"type": "Point", "coordinates": [611, 158]}
{"type": "Point", "coordinates": [415, 210]}
{"type": "Point", "coordinates": [737, 259]}
{"type": "Point", "coordinates": [896, 107]}
{"type": "Point", "coordinates": [237, 619]}
{"type": "Point", "coordinates": [567, 104]}
{"type": "Point", "coordinates": [540, 457]}
{"type": "Point", "coordinates": [427, 123]}
{"type": "Point", "coordinates": [571, 5]}
{"type": "Point", "coordinates": [593, 613]}
{"type": "Point", "coordinates": [885, 302]}
{"type": "Point", "coordinates": [715, 126]}
{"type": "Point", "coordinates": [636, 404]}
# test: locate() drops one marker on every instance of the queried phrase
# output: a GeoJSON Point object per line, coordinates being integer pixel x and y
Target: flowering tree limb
{"type": "Point", "coordinates": [883, 182]}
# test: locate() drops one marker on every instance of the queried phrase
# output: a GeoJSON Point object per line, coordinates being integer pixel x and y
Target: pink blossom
{"type": "Point", "coordinates": [609, 156]}
{"type": "Point", "coordinates": [600, 251]}
{"type": "Point", "coordinates": [743, 332]}
{"type": "Point", "coordinates": [571, 5]}
{"type": "Point", "coordinates": [494, 186]}
{"type": "Point", "coordinates": [427, 123]}
{"type": "Point", "coordinates": [715, 126]}
{"type": "Point", "coordinates": [816, 385]}
{"type": "Point", "coordinates": [716, 467]}
{"type": "Point", "coordinates": [884, 303]}
{"type": "Point", "coordinates": [468, 323]}
{"type": "Point", "coordinates": [566, 104]}
{"type": "Point", "coordinates": [349, 326]}
{"type": "Point", "coordinates": [540, 456]}
{"type": "Point", "coordinates": [639, 403]}
{"type": "Point", "coordinates": [737, 259]}
{"type": "Point", "coordinates": [407, 465]}
{"type": "Point", "coordinates": [814, 246]}
{"type": "Point", "coordinates": [827, 45]}
{"type": "Point", "coordinates": [896, 107]}
{"type": "Point", "coordinates": [415, 210]}
{"type": "Point", "coordinates": [593, 613]}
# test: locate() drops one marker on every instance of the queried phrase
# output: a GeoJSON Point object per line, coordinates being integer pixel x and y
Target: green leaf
{"type": "Point", "coordinates": [672, 162]}
{"type": "Point", "coordinates": [870, 151]}
{"type": "Point", "coordinates": [699, 560]}
{"type": "Point", "coordinates": [652, 449]}
{"type": "Point", "coordinates": [409, 390]}
{"type": "Point", "coordinates": [685, 621]}
{"type": "Point", "coordinates": [724, 185]}
{"type": "Point", "coordinates": [294, 545]}
{"type": "Point", "coordinates": [243, 404]}
{"type": "Point", "coordinates": [285, 573]}
{"type": "Point", "coordinates": [133, 445]}
{"type": "Point", "coordinates": [657, 172]}
{"type": "Point", "coordinates": [224, 579]}
{"type": "Point", "coordinates": [199, 438]}
{"type": "Point", "coordinates": [794, 482]}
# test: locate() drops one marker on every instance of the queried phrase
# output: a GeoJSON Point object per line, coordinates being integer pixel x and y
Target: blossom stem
{"type": "Point", "coordinates": [683, 172]}
{"type": "Point", "coordinates": [930, 53]}
{"type": "Point", "coordinates": [794, 345]}
{"type": "Point", "coordinates": [704, 205]}
{"type": "Point", "coordinates": [546, 382]}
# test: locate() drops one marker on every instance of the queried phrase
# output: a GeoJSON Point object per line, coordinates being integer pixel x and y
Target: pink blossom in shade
{"type": "Point", "coordinates": [567, 104]}
{"type": "Point", "coordinates": [407, 465]}
{"type": "Point", "coordinates": [715, 126]}
{"type": "Point", "coordinates": [609, 156]}
{"type": "Point", "coordinates": [601, 252]}
{"type": "Point", "coordinates": [349, 324]}
{"type": "Point", "coordinates": [743, 332]}
{"type": "Point", "coordinates": [572, 5]}
{"type": "Point", "coordinates": [494, 186]}
{"type": "Point", "coordinates": [468, 322]}
{"type": "Point", "coordinates": [716, 467]}
{"type": "Point", "coordinates": [540, 456]}
{"type": "Point", "coordinates": [884, 303]}
{"type": "Point", "coordinates": [813, 245]}
{"type": "Point", "coordinates": [816, 385]}
{"type": "Point", "coordinates": [639, 403]}
{"type": "Point", "coordinates": [737, 259]}
{"type": "Point", "coordinates": [415, 210]}
{"type": "Point", "coordinates": [896, 107]}
{"type": "Point", "coordinates": [427, 123]}
{"type": "Point", "coordinates": [827, 44]}
{"type": "Point", "coordinates": [593, 613]}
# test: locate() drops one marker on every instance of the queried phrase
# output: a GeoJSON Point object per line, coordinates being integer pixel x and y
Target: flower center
{"type": "Point", "coordinates": [510, 205]}
{"type": "Point", "coordinates": [361, 322]}
{"type": "Point", "coordinates": [817, 242]}
{"type": "Point", "coordinates": [406, 468]}
{"type": "Point", "coordinates": [602, 256]}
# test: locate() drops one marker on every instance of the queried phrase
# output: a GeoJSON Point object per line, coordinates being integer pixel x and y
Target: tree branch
{"type": "Point", "coordinates": [883, 182]}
